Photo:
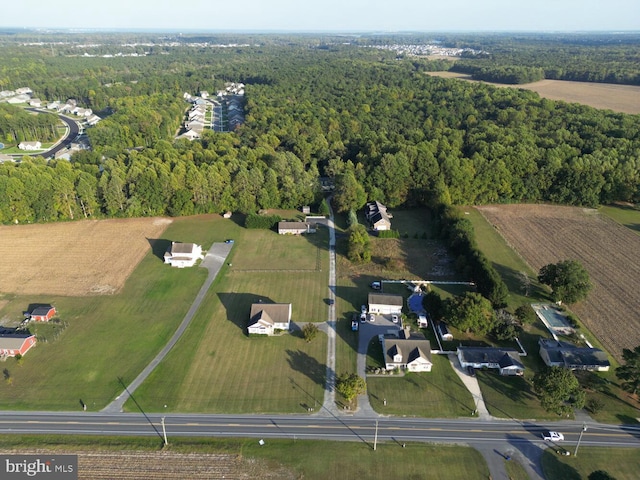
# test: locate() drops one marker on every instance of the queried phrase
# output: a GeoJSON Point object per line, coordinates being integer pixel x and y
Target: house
{"type": "Point", "coordinates": [376, 214]}
{"type": "Point", "coordinates": [30, 145]}
{"type": "Point", "coordinates": [410, 352]}
{"type": "Point", "coordinates": [19, 99]}
{"type": "Point", "coordinates": [35, 102]}
{"type": "Point", "coordinates": [6, 158]}
{"type": "Point", "coordinates": [443, 330]}
{"type": "Point", "coordinates": [189, 135]}
{"type": "Point", "coordinates": [295, 228]}
{"type": "Point", "coordinates": [42, 313]}
{"type": "Point", "coordinates": [93, 119]}
{"type": "Point", "coordinates": [504, 359]}
{"type": "Point", "coordinates": [385, 303]}
{"type": "Point", "coordinates": [266, 318]}
{"type": "Point", "coordinates": [555, 353]}
{"type": "Point", "coordinates": [183, 254]}
{"type": "Point", "coordinates": [24, 91]}
{"type": "Point", "coordinates": [16, 344]}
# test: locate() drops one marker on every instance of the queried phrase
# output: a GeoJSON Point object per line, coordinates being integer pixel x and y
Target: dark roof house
{"type": "Point", "coordinates": [555, 353]}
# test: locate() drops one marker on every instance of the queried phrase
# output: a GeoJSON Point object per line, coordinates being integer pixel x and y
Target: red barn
{"type": "Point", "coordinates": [16, 343]}
{"type": "Point", "coordinates": [43, 313]}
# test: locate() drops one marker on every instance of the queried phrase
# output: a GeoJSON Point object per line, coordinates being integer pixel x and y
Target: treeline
{"type": "Point", "coordinates": [378, 126]}
{"type": "Point", "coordinates": [17, 125]}
{"type": "Point", "coordinates": [458, 234]}
{"type": "Point", "coordinates": [501, 74]}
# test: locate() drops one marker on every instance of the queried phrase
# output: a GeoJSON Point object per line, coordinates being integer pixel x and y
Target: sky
{"type": "Point", "coordinates": [326, 15]}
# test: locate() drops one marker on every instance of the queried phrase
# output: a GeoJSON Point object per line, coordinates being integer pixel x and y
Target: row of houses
{"type": "Point", "coordinates": [71, 107]}
{"type": "Point", "coordinates": [195, 119]}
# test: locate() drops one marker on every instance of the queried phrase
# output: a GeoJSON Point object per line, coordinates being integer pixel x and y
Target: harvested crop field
{"type": "Point", "coordinates": [133, 465]}
{"type": "Point", "coordinates": [89, 257]}
{"type": "Point", "coordinates": [619, 98]}
{"type": "Point", "coordinates": [545, 234]}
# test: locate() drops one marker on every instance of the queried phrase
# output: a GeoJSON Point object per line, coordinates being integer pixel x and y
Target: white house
{"type": "Point", "coordinates": [30, 145]}
{"type": "Point", "coordinates": [189, 135]}
{"type": "Point", "coordinates": [378, 217]}
{"type": "Point", "coordinates": [409, 352]}
{"type": "Point", "coordinates": [266, 318]}
{"type": "Point", "coordinates": [183, 254]}
{"type": "Point", "coordinates": [385, 304]}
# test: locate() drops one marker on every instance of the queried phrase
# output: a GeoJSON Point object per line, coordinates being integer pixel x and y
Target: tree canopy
{"type": "Point", "coordinates": [558, 390]}
{"type": "Point", "coordinates": [568, 279]}
{"type": "Point", "coordinates": [629, 373]}
{"type": "Point", "coordinates": [470, 312]}
{"type": "Point", "coordinates": [350, 385]}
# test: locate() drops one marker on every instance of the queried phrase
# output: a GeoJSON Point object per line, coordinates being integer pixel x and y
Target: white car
{"type": "Point", "coordinates": [372, 318]}
{"type": "Point", "coordinates": [549, 436]}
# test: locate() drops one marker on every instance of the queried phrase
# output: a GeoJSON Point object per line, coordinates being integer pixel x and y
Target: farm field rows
{"type": "Point", "coordinates": [619, 98]}
{"type": "Point", "coordinates": [545, 234]}
{"type": "Point", "coordinates": [88, 257]}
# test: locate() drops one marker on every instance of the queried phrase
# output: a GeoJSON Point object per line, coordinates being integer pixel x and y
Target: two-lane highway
{"type": "Point", "coordinates": [314, 427]}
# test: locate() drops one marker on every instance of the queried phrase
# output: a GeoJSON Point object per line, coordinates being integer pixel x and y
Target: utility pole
{"type": "Point", "coordinates": [584, 429]}
{"type": "Point", "coordinates": [164, 433]}
{"type": "Point", "coordinates": [375, 439]}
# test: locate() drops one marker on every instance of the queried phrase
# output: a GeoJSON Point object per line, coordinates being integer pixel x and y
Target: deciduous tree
{"type": "Point", "coordinates": [629, 373]}
{"type": "Point", "coordinates": [558, 390]}
{"type": "Point", "coordinates": [569, 281]}
{"type": "Point", "coordinates": [350, 385]}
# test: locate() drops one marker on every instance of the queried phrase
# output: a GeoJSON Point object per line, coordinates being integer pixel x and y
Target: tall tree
{"type": "Point", "coordinates": [629, 373]}
{"type": "Point", "coordinates": [569, 281]}
{"type": "Point", "coordinates": [350, 385]}
{"type": "Point", "coordinates": [558, 390]}
{"type": "Point", "coordinates": [471, 312]}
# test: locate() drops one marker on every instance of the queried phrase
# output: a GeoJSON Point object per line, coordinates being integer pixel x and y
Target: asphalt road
{"type": "Point", "coordinates": [515, 433]}
{"type": "Point", "coordinates": [73, 129]}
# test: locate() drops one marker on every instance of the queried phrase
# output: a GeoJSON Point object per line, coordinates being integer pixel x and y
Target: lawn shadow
{"type": "Point", "coordinates": [159, 246]}
{"type": "Point", "coordinates": [238, 307]}
{"type": "Point", "coordinates": [309, 366]}
{"type": "Point", "coordinates": [551, 461]}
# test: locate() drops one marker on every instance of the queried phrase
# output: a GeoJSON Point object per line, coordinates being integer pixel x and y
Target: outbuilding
{"type": "Point", "coordinates": [16, 344]}
{"type": "Point", "coordinates": [42, 313]}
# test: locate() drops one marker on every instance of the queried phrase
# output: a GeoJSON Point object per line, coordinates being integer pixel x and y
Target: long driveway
{"type": "Point", "coordinates": [213, 261]}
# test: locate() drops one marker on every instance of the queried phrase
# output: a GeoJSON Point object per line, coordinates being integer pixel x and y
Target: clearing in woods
{"type": "Point", "coordinates": [619, 98]}
{"type": "Point", "coordinates": [88, 257]}
{"type": "Point", "coordinates": [545, 234]}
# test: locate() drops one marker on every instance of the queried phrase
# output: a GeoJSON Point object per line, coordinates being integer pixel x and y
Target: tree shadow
{"type": "Point", "coordinates": [238, 307]}
{"type": "Point", "coordinates": [159, 246]}
{"type": "Point", "coordinates": [552, 462]}
{"type": "Point", "coordinates": [307, 365]}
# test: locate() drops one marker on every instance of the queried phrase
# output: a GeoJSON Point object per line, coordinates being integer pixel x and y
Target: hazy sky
{"type": "Point", "coordinates": [327, 15]}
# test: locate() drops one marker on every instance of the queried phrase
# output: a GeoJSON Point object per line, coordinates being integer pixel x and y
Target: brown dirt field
{"type": "Point", "coordinates": [132, 465]}
{"type": "Point", "coordinates": [619, 98]}
{"type": "Point", "coordinates": [89, 257]}
{"type": "Point", "coordinates": [545, 234]}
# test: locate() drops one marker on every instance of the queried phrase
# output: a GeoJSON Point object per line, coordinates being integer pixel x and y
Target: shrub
{"type": "Point", "coordinates": [265, 222]}
{"type": "Point", "coordinates": [388, 234]}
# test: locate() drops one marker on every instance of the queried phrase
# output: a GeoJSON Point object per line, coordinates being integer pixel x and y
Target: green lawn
{"type": "Point", "coordinates": [216, 367]}
{"type": "Point", "coordinates": [627, 216]}
{"type": "Point", "coordinates": [311, 460]}
{"type": "Point", "coordinates": [620, 463]}
{"type": "Point", "coordinates": [109, 336]}
{"type": "Point", "coordinates": [436, 394]}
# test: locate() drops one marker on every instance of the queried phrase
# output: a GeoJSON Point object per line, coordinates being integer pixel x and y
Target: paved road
{"type": "Point", "coordinates": [213, 261]}
{"type": "Point", "coordinates": [73, 129]}
{"type": "Point", "coordinates": [515, 435]}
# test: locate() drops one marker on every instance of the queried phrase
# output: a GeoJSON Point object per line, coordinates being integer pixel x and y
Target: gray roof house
{"type": "Point", "coordinates": [411, 352]}
{"type": "Point", "coordinates": [555, 353]}
{"type": "Point", "coordinates": [377, 216]}
{"type": "Point", "coordinates": [504, 359]}
{"type": "Point", "coordinates": [385, 303]}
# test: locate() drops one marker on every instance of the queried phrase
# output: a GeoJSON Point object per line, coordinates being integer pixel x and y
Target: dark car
{"type": "Point", "coordinates": [471, 370]}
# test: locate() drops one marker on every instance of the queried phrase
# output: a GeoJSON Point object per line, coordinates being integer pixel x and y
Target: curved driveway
{"type": "Point", "coordinates": [71, 133]}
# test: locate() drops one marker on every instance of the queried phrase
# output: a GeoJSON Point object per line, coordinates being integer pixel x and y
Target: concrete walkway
{"type": "Point", "coordinates": [213, 261]}
{"type": "Point", "coordinates": [472, 385]}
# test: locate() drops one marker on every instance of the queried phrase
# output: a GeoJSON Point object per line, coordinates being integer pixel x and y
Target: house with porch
{"type": "Point", "coordinates": [183, 254]}
{"type": "Point", "coordinates": [505, 360]}
{"type": "Point", "coordinates": [555, 353]}
{"type": "Point", "coordinates": [408, 351]}
{"type": "Point", "coordinates": [267, 318]}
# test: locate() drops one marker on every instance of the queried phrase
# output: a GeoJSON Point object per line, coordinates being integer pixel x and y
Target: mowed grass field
{"type": "Point", "coordinates": [87, 257]}
{"type": "Point", "coordinates": [107, 336]}
{"type": "Point", "coordinates": [619, 98]}
{"type": "Point", "coordinates": [216, 367]}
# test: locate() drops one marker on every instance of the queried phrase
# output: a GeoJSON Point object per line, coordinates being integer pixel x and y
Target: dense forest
{"type": "Point", "coordinates": [375, 123]}
{"type": "Point", "coordinates": [17, 125]}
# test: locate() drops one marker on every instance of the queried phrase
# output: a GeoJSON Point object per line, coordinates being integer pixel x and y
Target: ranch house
{"type": "Point", "coordinates": [16, 344]}
{"type": "Point", "coordinates": [43, 313]}
{"type": "Point", "coordinates": [504, 359]}
{"type": "Point", "coordinates": [183, 254]}
{"type": "Point", "coordinates": [295, 228]}
{"type": "Point", "coordinates": [266, 318]}
{"type": "Point", "coordinates": [385, 304]}
{"type": "Point", "coordinates": [563, 354]}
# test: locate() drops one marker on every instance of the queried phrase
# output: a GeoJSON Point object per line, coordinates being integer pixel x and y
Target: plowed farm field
{"type": "Point", "coordinates": [610, 252]}
{"type": "Point", "coordinates": [89, 257]}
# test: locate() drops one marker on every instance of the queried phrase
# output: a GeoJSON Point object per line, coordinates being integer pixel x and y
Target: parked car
{"type": "Point", "coordinates": [471, 371]}
{"type": "Point", "coordinates": [363, 317]}
{"type": "Point", "coordinates": [372, 318]}
{"type": "Point", "coordinates": [551, 436]}
{"type": "Point", "coordinates": [376, 285]}
{"type": "Point", "coordinates": [363, 309]}
{"type": "Point", "coordinates": [354, 325]}
{"type": "Point", "coordinates": [394, 318]}
{"type": "Point", "coordinates": [228, 240]}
